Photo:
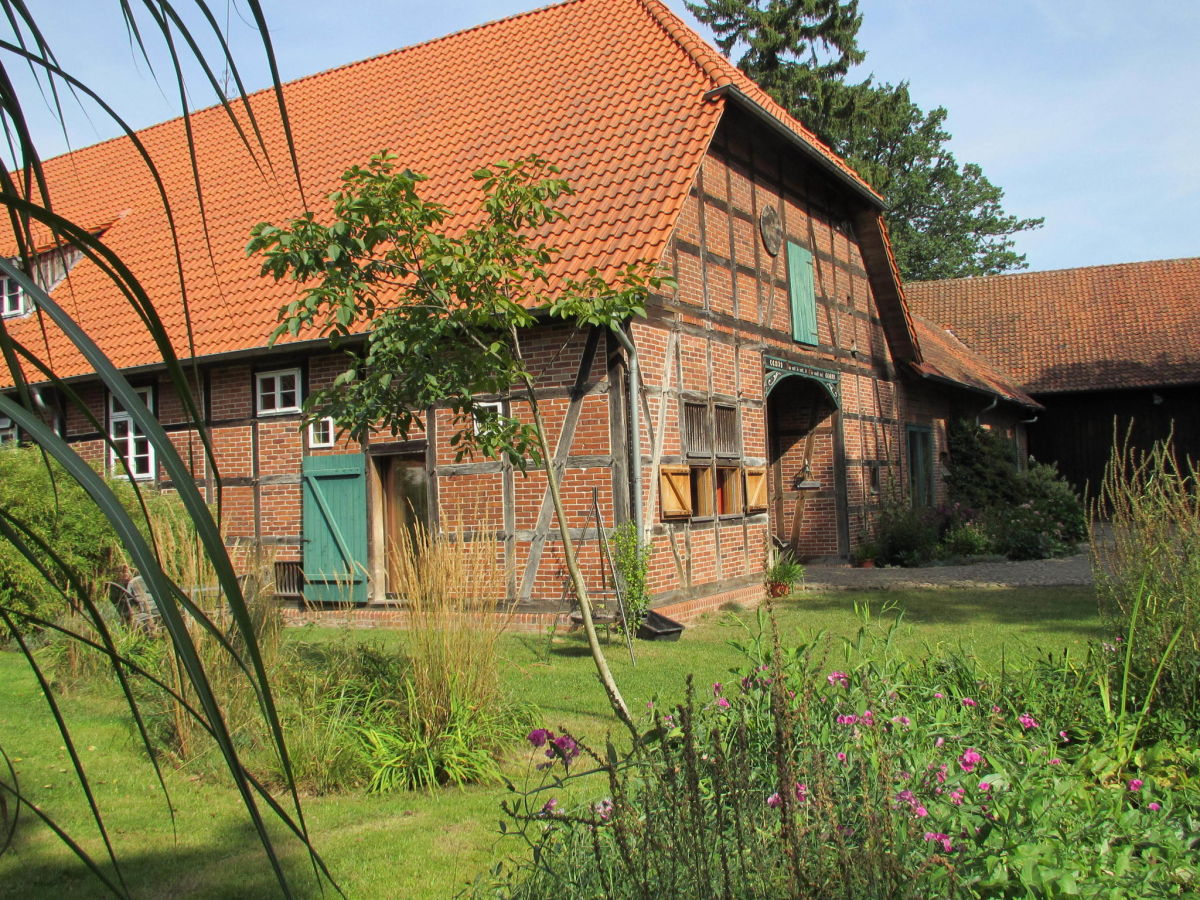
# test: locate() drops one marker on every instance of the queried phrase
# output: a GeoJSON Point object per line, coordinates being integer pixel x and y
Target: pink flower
{"type": "Point", "coordinates": [801, 792]}
{"type": "Point", "coordinates": [846, 720]}
{"type": "Point", "coordinates": [1135, 784]}
{"type": "Point", "coordinates": [902, 720]}
{"type": "Point", "coordinates": [956, 796]}
{"type": "Point", "coordinates": [841, 678]}
{"type": "Point", "coordinates": [1154, 807]}
{"type": "Point", "coordinates": [940, 838]}
{"type": "Point", "coordinates": [550, 808]}
{"type": "Point", "coordinates": [841, 757]}
{"type": "Point", "coordinates": [867, 718]}
{"type": "Point", "coordinates": [920, 812]}
{"type": "Point", "coordinates": [939, 742]}
{"type": "Point", "coordinates": [716, 689]}
{"type": "Point", "coordinates": [995, 708]}
{"type": "Point", "coordinates": [604, 809]}
{"type": "Point", "coordinates": [985, 786]}
{"type": "Point", "coordinates": [774, 800]}
{"type": "Point", "coordinates": [969, 760]}
{"type": "Point", "coordinates": [1056, 761]}
{"type": "Point", "coordinates": [938, 694]}
{"type": "Point", "coordinates": [1063, 735]}
{"type": "Point", "coordinates": [722, 702]}
{"type": "Point", "coordinates": [1027, 721]}
{"type": "Point", "coordinates": [967, 701]}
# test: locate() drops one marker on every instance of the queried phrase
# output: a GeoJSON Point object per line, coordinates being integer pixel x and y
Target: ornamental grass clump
{"type": "Point", "coordinates": [1147, 568]}
{"type": "Point", "coordinates": [866, 777]}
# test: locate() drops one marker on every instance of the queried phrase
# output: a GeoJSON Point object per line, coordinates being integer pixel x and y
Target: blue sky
{"type": "Point", "coordinates": [1084, 111]}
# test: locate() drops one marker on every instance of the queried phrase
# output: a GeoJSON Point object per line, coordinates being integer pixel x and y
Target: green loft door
{"type": "Point", "coordinates": [335, 529]}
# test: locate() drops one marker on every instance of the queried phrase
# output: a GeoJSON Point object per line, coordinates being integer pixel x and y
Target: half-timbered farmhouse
{"type": "Point", "coordinates": [771, 400]}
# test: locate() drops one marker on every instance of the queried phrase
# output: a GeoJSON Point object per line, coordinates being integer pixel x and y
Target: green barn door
{"type": "Point", "coordinates": [335, 529]}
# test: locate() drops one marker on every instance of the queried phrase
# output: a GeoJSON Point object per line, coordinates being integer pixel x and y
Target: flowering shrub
{"type": "Point", "coordinates": [886, 779]}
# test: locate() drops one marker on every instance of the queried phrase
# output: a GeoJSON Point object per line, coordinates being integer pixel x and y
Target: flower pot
{"type": "Point", "coordinates": [778, 588]}
{"type": "Point", "coordinates": [865, 564]}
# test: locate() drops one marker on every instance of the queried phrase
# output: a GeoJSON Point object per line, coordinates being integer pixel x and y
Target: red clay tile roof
{"type": "Point", "coordinates": [946, 357]}
{"type": "Point", "coordinates": [1095, 328]}
{"type": "Point", "coordinates": [613, 91]}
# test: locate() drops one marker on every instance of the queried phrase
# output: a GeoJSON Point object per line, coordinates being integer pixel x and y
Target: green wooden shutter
{"type": "Point", "coordinates": [803, 297]}
{"type": "Point", "coordinates": [335, 528]}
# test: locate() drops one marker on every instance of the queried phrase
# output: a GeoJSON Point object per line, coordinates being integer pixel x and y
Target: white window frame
{"type": "Point", "coordinates": [495, 405]}
{"type": "Point", "coordinates": [316, 430]}
{"type": "Point", "coordinates": [130, 447]}
{"type": "Point", "coordinates": [267, 384]}
{"type": "Point", "coordinates": [12, 298]}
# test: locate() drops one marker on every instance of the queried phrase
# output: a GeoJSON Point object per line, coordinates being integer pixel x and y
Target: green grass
{"type": "Point", "coordinates": [428, 845]}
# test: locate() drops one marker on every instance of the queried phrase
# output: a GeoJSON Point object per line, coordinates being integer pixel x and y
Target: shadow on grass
{"type": "Point", "coordinates": [220, 869]}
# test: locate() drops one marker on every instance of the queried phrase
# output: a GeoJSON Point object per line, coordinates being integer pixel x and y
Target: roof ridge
{"type": "Point", "coordinates": [1142, 262]}
{"type": "Point", "coordinates": [691, 43]}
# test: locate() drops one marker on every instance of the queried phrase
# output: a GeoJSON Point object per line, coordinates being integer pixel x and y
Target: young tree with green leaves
{"type": "Point", "coordinates": [444, 311]}
{"type": "Point", "coordinates": [946, 220]}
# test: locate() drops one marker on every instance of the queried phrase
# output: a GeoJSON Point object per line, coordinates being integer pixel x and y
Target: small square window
{"type": "Point", "coordinates": [322, 433]}
{"type": "Point", "coordinates": [491, 406]}
{"type": "Point", "coordinates": [277, 392]}
{"type": "Point", "coordinates": [12, 297]}
{"type": "Point", "coordinates": [8, 431]}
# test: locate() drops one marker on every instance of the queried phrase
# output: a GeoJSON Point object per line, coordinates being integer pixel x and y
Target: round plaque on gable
{"type": "Point", "coordinates": [770, 229]}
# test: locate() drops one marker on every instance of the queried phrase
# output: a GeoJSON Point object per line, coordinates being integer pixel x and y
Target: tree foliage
{"type": "Point", "coordinates": [946, 219]}
{"type": "Point", "coordinates": [443, 310]}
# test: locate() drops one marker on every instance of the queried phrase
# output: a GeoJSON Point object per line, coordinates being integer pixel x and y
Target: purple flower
{"type": "Point", "coordinates": [967, 701]}
{"type": "Point", "coordinates": [774, 800]}
{"type": "Point", "coordinates": [1135, 784]}
{"type": "Point", "coordinates": [901, 720]}
{"type": "Point", "coordinates": [801, 792]}
{"type": "Point", "coordinates": [550, 808]}
{"type": "Point", "coordinates": [716, 689]}
{"type": "Point", "coordinates": [604, 809]}
{"type": "Point", "coordinates": [838, 678]}
{"type": "Point", "coordinates": [539, 736]}
{"type": "Point", "coordinates": [564, 745]}
{"type": "Point", "coordinates": [1027, 721]}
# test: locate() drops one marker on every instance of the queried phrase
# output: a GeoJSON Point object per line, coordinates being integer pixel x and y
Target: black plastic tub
{"type": "Point", "coordinates": [657, 627]}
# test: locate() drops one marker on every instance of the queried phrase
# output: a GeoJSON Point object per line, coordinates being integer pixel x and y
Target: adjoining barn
{"type": "Point", "coordinates": [1107, 350]}
{"type": "Point", "coordinates": [783, 386]}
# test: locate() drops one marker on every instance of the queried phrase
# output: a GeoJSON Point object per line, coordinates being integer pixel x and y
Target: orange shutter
{"type": "Point", "coordinates": [756, 489]}
{"type": "Point", "coordinates": [674, 487]}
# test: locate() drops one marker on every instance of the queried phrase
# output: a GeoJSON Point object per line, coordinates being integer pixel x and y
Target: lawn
{"type": "Point", "coordinates": [428, 845]}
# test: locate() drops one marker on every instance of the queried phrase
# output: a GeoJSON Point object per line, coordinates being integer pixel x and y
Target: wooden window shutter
{"type": "Point", "coordinates": [802, 294]}
{"type": "Point", "coordinates": [756, 489]}
{"type": "Point", "coordinates": [675, 490]}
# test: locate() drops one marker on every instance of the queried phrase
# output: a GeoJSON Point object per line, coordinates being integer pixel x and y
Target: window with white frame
{"type": "Point", "coordinates": [8, 431]}
{"type": "Point", "coordinates": [12, 297]}
{"type": "Point", "coordinates": [131, 450]}
{"type": "Point", "coordinates": [50, 267]}
{"type": "Point", "coordinates": [277, 392]}
{"type": "Point", "coordinates": [322, 432]}
{"type": "Point", "coordinates": [488, 408]}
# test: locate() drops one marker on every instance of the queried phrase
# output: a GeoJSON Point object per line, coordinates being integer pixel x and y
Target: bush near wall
{"type": "Point", "coordinates": [40, 502]}
{"type": "Point", "coordinates": [995, 508]}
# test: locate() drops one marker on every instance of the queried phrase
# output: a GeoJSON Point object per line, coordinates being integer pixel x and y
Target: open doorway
{"type": "Point", "coordinates": [403, 494]}
{"type": "Point", "coordinates": [804, 477]}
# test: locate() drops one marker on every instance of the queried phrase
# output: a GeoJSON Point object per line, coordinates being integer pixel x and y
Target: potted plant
{"type": "Point", "coordinates": [781, 576]}
{"type": "Point", "coordinates": [864, 555]}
